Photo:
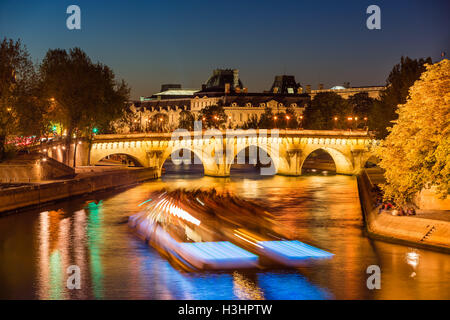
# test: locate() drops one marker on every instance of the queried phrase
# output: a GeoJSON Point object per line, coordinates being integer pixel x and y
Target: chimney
{"type": "Point", "coordinates": [308, 88]}
{"type": "Point", "coordinates": [227, 88]}
{"type": "Point", "coordinates": [245, 90]}
{"type": "Point", "coordinates": [320, 86]}
{"type": "Point", "coordinates": [275, 89]}
{"type": "Point", "coordinates": [237, 89]}
{"type": "Point", "coordinates": [235, 78]}
{"type": "Point", "coordinates": [299, 90]}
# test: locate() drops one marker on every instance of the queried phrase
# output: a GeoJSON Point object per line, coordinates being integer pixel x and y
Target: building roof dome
{"type": "Point", "coordinates": [338, 88]}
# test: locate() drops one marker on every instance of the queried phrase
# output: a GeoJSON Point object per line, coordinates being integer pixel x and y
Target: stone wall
{"type": "Point", "coordinates": [32, 195]}
{"type": "Point", "coordinates": [33, 168]}
{"type": "Point", "coordinates": [417, 231]}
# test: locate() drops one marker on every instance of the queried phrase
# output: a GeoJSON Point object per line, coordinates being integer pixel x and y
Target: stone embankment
{"type": "Point", "coordinates": [30, 195]}
{"type": "Point", "coordinates": [412, 230]}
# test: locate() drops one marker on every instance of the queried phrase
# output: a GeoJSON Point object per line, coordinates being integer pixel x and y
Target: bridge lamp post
{"type": "Point", "coordinates": [160, 121]}
{"type": "Point", "coordinates": [365, 123]}
{"type": "Point", "coordinates": [335, 122]}
{"type": "Point", "coordinates": [350, 119]}
{"type": "Point", "coordinates": [301, 122]}
{"type": "Point", "coordinates": [275, 120]}
{"type": "Point", "coordinates": [287, 122]}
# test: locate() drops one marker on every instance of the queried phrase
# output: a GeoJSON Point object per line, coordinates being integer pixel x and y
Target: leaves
{"type": "Point", "coordinates": [416, 153]}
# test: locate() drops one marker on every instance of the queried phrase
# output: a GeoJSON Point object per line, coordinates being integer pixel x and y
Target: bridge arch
{"type": "Point", "coordinates": [136, 158]}
{"type": "Point", "coordinates": [342, 162]}
{"type": "Point", "coordinates": [168, 152]}
{"type": "Point", "coordinates": [277, 155]}
{"type": "Point", "coordinates": [274, 161]}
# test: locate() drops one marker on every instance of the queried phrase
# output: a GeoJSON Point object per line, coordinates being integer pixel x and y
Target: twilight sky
{"type": "Point", "coordinates": [148, 43]}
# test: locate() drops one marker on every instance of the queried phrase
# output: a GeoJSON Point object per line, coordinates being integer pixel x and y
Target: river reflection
{"type": "Point", "coordinates": [37, 247]}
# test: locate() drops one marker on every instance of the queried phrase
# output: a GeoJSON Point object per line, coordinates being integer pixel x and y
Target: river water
{"type": "Point", "coordinates": [37, 247]}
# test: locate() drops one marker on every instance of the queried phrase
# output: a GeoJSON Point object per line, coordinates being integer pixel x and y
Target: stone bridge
{"type": "Point", "coordinates": [287, 149]}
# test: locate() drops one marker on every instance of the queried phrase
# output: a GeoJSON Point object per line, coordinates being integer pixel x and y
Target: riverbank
{"type": "Point", "coordinates": [35, 194]}
{"type": "Point", "coordinates": [431, 234]}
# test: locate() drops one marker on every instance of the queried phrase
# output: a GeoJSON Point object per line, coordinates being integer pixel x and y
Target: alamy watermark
{"type": "Point", "coordinates": [374, 20]}
{"type": "Point", "coordinates": [374, 280]}
{"type": "Point", "coordinates": [74, 278]}
{"type": "Point", "coordinates": [73, 22]}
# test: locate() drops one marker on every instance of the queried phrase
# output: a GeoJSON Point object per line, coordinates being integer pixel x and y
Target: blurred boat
{"type": "Point", "coordinates": [207, 230]}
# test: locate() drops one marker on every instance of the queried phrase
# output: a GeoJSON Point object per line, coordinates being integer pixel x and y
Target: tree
{"type": "Point", "coordinates": [87, 96]}
{"type": "Point", "coordinates": [266, 119]}
{"type": "Point", "coordinates": [401, 78]}
{"type": "Point", "coordinates": [214, 116]}
{"type": "Point", "coordinates": [324, 107]}
{"type": "Point", "coordinates": [361, 104]}
{"type": "Point", "coordinates": [159, 122]}
{"type": "Point", "coordinates": [416, 153]}
{"type": "Point", "coordinates": [251, 123]}
{"type": "Point", "coordinates": [22, 110]}
{"type": "Point", "coordinates": [186, 120]}
{"type": "Point", "coordinates": [291, 120]}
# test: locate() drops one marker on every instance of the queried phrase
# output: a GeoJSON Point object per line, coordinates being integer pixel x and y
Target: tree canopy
{"type": "Point", "coordinates": [400, 79]}
{"type": "Point", "coordinates": [85, 95]}
{"type": "Point", "coordinates": [416, 153]}
{"type": "Point", "coordinates": [324, 108]}
{"type": "Point", "coordinates": [186, 120]}
{"type": "Point", "coordinates": [213, 116]}
{"type": "Point", "coordinates": [21, 108]}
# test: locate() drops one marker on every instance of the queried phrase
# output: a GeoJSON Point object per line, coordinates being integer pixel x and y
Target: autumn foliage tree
{"type": "Point", "coordinates": [416, 153]}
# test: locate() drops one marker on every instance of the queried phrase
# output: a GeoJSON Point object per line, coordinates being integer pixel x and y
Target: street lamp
{"type": "Point", "coordinates": [350, 119]}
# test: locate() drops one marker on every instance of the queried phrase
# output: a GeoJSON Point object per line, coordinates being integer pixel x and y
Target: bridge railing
{"type": "Point", "coordinates": [278, 132]}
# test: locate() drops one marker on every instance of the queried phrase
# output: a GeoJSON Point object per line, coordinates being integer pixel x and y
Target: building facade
{"type": "Point", "coordinates": [224, 88]}
{"type": "Point", "coordinates": [346, 92]}
{"type": "Point", "coordinates": [162, 111]}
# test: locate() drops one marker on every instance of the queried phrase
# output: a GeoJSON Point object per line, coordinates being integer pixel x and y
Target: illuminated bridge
{"type": "Point", "coordinates": [287, 149]}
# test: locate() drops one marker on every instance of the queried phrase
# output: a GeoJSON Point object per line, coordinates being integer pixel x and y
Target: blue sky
{"type": "Point", "coordinates": [148, 43]}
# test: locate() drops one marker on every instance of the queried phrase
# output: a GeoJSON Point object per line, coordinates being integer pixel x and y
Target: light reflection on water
{"type": "Point", "coordinates": [39, 245]}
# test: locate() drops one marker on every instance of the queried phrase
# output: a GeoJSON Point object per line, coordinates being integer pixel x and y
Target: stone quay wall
{"type": "Point", "coordinates": [37, 194]}
{"type": "Point", "coordinates": [420, 232]}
